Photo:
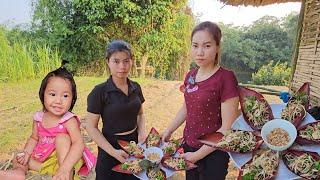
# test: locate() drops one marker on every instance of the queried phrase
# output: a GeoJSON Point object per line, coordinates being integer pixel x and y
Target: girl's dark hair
{"type": "Point", "coordinates": [116, 46]}
{"type": "Point", "coordinates": [213, 29]}
{"type": "Point", "coordinates": [61, 72]}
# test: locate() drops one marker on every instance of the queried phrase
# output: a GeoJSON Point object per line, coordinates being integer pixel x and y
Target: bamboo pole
{"type": "Point", "coordinates": [297, 43]}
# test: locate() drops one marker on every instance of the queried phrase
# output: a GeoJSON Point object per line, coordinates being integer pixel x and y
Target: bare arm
{"type": "Point", "coordinates": [141, 123]}
{"type": "Point", "coordinates": [229, 112]}
{"type": "Point", "coordinates": [33, 139]}
{"type": "Point", "coordinates": [91, 125]}
{"type": "Point", "coordinates": [23, 158]}
{"type": "Point", "coordinates": [176, 122]}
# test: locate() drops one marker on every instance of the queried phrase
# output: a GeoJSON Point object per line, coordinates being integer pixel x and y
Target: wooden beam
{"type": "Point", "coordinates": [297, 43]}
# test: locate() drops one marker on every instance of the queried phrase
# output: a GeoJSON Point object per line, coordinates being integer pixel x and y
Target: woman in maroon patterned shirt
{"type": "Point", "coordinates": [210, 104]}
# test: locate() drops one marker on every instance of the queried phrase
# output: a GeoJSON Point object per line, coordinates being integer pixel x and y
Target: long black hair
{"type": "Point", "coordinates": [61, 72]}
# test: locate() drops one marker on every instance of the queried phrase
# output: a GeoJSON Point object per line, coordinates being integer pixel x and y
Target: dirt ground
{"type": "Point", "coordinates": [163, 100]}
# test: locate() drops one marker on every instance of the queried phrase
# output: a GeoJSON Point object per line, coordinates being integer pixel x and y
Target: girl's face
{"type": "Point", "coordinates": [58, 96]}
{"type": "Point", "coordinates": [120, 64]}
{"type": "Point", "coordinates": [204, 48]}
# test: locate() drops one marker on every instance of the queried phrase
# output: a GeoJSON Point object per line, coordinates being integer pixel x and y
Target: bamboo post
{"type": "Point", "coordinates": [297, 43]}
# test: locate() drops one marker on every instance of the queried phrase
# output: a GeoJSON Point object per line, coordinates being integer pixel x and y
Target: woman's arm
{"type": "Point", "coordinates": [229, 112]}
{"type": "Point", "coordinates": [141, 123]}
{"type": "Point", "coordinates": [176, 122]}
{"type": "Point", "coordinates": [91, 126]}
{"type": "Point", "coordinates": [76, 149]}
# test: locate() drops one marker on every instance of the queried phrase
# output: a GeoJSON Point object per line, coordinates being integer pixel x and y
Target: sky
{"type": "Point", "coordinates": [15, 12]}
{"type": "Point", "coordinates": [213, 10]}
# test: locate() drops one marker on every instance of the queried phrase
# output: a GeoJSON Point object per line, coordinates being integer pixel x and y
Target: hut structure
{"type": "Point", "coordinates": [306, 56]}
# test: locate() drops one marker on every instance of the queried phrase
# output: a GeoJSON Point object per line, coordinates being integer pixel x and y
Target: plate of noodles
{"type": "Point", "coordinates": [283, 172]}
{"type": "Point", "coordinates": [153, 159]}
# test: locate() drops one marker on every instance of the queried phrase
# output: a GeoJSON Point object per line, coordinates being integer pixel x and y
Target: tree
{"type": "Point", "coordinates": [272, 42]}
{"type": "Point", "coordinates": [246, 49]}
{"type": "Point", "coordinates": [290, 26]}
{"type": "Point", "coordinates": [81, 28]}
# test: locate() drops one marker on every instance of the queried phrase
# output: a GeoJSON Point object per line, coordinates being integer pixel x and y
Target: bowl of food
{"type": "Point", "coordinates": [278, 134]}
{"type": "Point", "coordinates": [153, 154]}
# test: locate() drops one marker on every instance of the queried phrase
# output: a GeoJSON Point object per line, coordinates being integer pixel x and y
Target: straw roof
{"type": "Point", "coordinates": [255, 2]}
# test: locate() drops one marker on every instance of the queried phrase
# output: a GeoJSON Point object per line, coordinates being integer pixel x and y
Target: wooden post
{"type": "Point", "coordinates": [297, 43]}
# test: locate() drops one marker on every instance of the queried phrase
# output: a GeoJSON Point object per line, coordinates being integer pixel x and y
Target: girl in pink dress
{"type": "Point", "coordinates": [56, 145]}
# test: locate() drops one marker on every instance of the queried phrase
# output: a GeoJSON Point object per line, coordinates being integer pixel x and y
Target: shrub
{"type": "Point", "coordinates": [21, 59]}
{"type": "Point", "coordinates": [272, 74]}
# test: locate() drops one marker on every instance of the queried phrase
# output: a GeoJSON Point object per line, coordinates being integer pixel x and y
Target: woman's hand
{"type": "Point", "coordinates": [120, 155]}
{"type": "Point", "coordinates": [199, 154]}
{"type": "Point", "coordinates": [190, 156]}
{"type": "Point", "coordinates": [165, 136]}
{"type": "Point", "coordinates": [61, 175]}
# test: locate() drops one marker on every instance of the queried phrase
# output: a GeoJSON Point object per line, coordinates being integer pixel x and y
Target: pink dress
{"type": "Point", "coordinates": [46, 146]}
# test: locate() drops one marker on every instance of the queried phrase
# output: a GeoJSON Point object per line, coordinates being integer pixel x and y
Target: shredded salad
{"type": "Point", "coordinates": [177, 163]}
{"type": "Point", "coordinates": [311, 132]}
{"type": "Point", "coordinates": [133, 149]}
{"type": "Point", "coordinates": [256, 111]}
{"type": "Point", "coordinates": [293, 110]}
{"type": "Point", "coordinates": [132, 166]}
{"type": "Point", "coordinates": [263, 166]}
{"type": "Point", "coordinates": [153, 139]}
{"type": "Point", "coordinates": [304, 165]}
{"type": "Point", "coordinates": [155, 174]}
{"type": "Point", "coordinates": [238, 141]}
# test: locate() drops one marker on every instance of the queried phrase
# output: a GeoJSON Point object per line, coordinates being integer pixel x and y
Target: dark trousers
{"type": "Point", "coordinates": [213, 167]}
{"type": "Point", "coordinates": [105, 162]}
{"type": "Point", "coordinates": [315, 112]}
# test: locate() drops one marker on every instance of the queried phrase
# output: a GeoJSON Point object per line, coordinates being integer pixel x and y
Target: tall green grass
{"type": "Point", "coordinates": [21, 60]}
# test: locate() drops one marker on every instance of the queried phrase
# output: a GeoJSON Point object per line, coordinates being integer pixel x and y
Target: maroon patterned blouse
{"type": "Point", "coordinates": [203, 101]}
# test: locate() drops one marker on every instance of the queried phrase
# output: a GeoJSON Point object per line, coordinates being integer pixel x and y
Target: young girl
{"type": "Point", "coordinates": [210, 104]}
{"type": "Point", "coordinates": [55, 146]}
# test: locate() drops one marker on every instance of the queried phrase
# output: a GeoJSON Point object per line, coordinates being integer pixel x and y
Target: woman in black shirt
{"type": "Point", "coordinates": [118, 101]}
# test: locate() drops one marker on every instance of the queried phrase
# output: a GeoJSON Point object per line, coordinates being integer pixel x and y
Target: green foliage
{"type": "Point", "coordinates": [271, 41]}
{"type": "Point", "coordinates": [157, 30]}
{"type": "Point", "coordinates": [60, 24]}
{"type": "Point", "coordinates": [289, 24]}
{"type": "Point", "coordinates": [21, 60]}
{"type": "Point", "coordinates": [272, 74]}
{"type": "Point", "coordinates": [246, 49]}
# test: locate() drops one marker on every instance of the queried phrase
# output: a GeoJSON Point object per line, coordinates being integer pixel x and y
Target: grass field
{"type": "Point", "coordinates": [18, 102]}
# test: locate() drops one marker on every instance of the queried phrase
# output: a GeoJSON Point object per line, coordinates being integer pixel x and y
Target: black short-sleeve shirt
{"type": "Point", "coordinates": [118, 111]}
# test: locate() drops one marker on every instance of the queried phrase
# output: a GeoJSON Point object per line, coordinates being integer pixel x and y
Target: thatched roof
{"type": "Point", "coordinates": [255, 2]}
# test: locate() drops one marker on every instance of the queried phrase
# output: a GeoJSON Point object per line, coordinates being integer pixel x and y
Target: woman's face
{"type": "Point", "coordinates": [120, 64]}
{"type": "Point", "coordinates": [204, 48]}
